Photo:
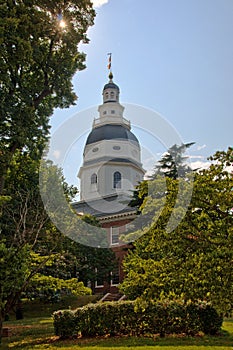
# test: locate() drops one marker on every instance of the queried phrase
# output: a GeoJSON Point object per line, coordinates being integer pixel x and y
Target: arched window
{"type": "Point", "coordinates": [93, 179]}
{"type": "Point", "coordinates": [112, 94]}
{"type": "Point", "coordinates": [117, 180]}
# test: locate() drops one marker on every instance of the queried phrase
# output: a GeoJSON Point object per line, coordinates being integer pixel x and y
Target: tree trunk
{"type": "Point", "coordinates": [1, 325]}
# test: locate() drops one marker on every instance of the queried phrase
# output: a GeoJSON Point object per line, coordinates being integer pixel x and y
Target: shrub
{"type": "Point", "coordinates": [137, 318]}
{"type": "Point", "coordinates": [210, 320]}
{"type": "Point", "coordinates": [64, 323]}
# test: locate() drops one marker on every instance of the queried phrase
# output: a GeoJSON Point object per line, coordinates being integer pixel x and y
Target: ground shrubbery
{"type": "Point", "coordinates": [137, 318]}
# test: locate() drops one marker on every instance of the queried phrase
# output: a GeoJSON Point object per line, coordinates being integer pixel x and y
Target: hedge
{"type": "Point", "coordinates": [137, 318]}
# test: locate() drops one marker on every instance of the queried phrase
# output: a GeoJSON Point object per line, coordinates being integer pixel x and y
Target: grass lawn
{"type": "Point", "coordinates": [37, 333]}
{"type": "Point", "coordinates": [33, 333]}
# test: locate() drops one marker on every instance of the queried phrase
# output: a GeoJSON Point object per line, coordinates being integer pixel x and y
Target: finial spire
{"type": "Point", "coordinates": [110, 76]}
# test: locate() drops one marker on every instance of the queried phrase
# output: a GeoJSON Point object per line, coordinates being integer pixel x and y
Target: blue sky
{"type": "Point", "coordinates": [171, 56]}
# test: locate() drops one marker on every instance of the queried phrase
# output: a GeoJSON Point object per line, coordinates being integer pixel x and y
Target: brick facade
{"type": "Point", "coordinates": [120, 251]}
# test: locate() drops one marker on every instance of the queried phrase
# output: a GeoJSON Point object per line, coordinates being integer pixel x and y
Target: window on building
{"type": "Point", "coordinates": [115, 276]}
{"type": "Point", "coordinates": [112, 94]}
{"type": "Point", "coordinates": [117, 180]}
{"type": "Point", "coordinates": [114, 235]}
{"type": "Point", "coordinates": [99, 282]}
{"type": "Point", "coordinates": [112, 111]}
{"type": "Point", "coordinates": [93, 179]}
{"type": "Point", "coordinates": [106, 94]}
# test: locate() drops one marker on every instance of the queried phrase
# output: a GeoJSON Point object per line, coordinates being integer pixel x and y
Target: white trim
{"type": "Point", "coordinates": [115, 284]}
{"type": "Point", "coordinates": [110, 218]}
{"type": "Point", "coordinates": [105, 296]}
{"type": "Point", "coordinates": [111, 235]}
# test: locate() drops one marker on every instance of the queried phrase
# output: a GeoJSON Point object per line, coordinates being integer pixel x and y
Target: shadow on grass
{"type": "Point", "coordinates": [40, 333]}
{"type": "Point", "coordinates": [224, 339]}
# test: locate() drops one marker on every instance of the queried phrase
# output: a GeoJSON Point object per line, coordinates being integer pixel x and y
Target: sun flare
{"type": "Point", "coordinates": [62, 24]}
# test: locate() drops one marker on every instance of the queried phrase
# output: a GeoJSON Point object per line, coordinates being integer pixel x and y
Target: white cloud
{"type": "Point", "coordinates": [199, 165]}
{"type": "Point", "coordinates": [99, 3]}
{"type": "Point", "coordinates": [230, 169]}
{"type": "Point", "coordinates": [149, 162]}
{"type": "Point", "coordinates": [195, 157]}
{"type": "Point", "coordinates": [148, 165]}
{"type": "Point", "coordinates": [56, 154]}
{"type": "Point", "coordinates": [201, 147]}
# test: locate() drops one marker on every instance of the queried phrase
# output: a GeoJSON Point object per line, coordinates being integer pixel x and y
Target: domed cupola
{"type": "Point", "coordinates": [112, 154]}
{"type": "Point", "coordinates": [111, 91]}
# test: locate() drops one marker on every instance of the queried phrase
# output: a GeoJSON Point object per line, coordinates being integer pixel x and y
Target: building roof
{"type": "Point", "coordinates": [111, 85]}
{"type": "Point", "coordinates": [107, 206]}
{"type": "Point", "coordinates": [108, 160]}
{"type": "Point", "coordinates": [110, 132]}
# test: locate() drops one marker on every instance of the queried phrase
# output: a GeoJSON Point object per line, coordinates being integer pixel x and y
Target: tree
{"type": "Point", "coordinates": [38, 58]}
{"type": "Point", "coordinates": [42, 254]}
{"type": "Point", "coordinates": [95, 262]}
{"type": "Point", "coordinates": [139, 194]}
{"type": "Point", "coordinates": [173, 163]}
{"type": "Point", "coordinates": [79, 260]}
{"type": "Point", "coordinates": [13, 271]}
{"type": "Point", "coordinates": [23, 223]}
{"type": "Point", "coordinates": [193, 262]}
{"type": "Point", "coordinates": [50, 289]}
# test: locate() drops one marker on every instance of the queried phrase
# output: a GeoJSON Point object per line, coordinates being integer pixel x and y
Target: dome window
{"type": "Point", "coordinates": [112, 111]}
{"type": "Point", "coordinates": [95, 149]}
{"type": "Point", "coordinates": [93, 179]}
{"type": "Point", "coordinates": [116, 148]}
{"type": "Point", "coordinates": [117, 180]}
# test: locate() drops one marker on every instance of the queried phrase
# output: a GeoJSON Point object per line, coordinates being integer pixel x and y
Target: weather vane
{"type": "Point", "coordinates": [109, 60]}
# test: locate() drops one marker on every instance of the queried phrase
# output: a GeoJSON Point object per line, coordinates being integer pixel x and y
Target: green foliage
{"type": "Point", "coordinates": [38, 59]}
{"type": "Point", "coordinates": [13, 272]}
{"type": "Point", "coordinates": [173, 163]}
{"type": "Point", "coordinates": [194, 261]}
{"type": "Point", "coordinates": [136, 318]}
{"type": "Point", "coordinates": [139, 194]}
{"type": "Point", "coordinates": [211, 322]}
{"type": "Point", "coordinates": [49, 288]}
{"type": "Point", "coordinates": [64, 323]}
{"type": "Point", "coordinates": [53, 262]}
